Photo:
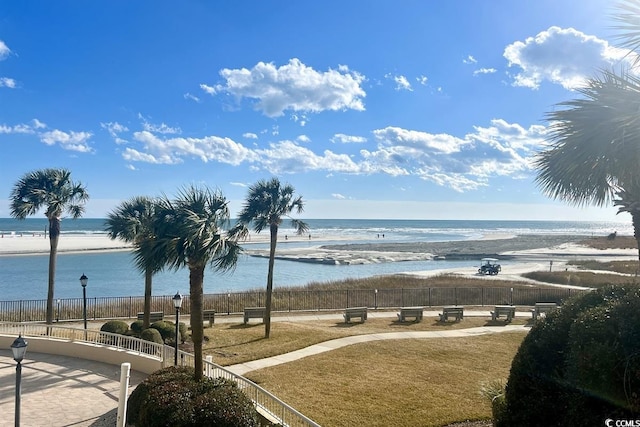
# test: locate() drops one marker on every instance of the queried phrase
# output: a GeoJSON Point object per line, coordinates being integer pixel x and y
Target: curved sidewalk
{"type": "Point", "coordinates": [243, 368]}
{"type": "Point", "coordinates": [61, 391]}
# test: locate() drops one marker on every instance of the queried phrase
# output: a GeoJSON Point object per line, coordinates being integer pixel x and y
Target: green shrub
{"type": "Point", "coordinates": [171, 397]}
{"type": "Point", "coordinates": [184, 332]}
{"type": "Point", "coordinates": [580, 365]}
{"type": "Point", "coordinates": [115, 327]}
{"type": "Point", "coordinates": [137, 326]}
{"type": "Point", "coordinates": [152, 335]}
{"type": "Point", "coordinates": [167, 329]}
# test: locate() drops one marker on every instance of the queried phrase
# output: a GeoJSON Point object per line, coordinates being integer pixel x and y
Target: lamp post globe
{"type": "Point", "coordinates": [177, 303]}
{"type": "Point", "coordinates": [83, 282]}
{"type": "Point", "coordinates": [19, 349]}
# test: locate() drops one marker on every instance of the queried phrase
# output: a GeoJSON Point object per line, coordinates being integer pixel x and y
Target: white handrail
{"type": "Point", "coordinates": [265, 401]}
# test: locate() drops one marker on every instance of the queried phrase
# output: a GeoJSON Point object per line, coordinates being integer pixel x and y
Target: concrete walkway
{"type": "Point", "coordinates": [61, 391]}
{"type": "Point", "coordinates": [243, 368]}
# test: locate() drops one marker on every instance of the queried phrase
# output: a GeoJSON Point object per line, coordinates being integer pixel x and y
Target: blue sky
{"type": "Point", "coordinates": [370, 109]}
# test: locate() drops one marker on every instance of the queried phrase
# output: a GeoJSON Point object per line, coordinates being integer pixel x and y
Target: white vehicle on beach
{"type": "Point", "coordinates": [489, 266]}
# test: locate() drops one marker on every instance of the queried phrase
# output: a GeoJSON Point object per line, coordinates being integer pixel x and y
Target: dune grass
{"type": "Point", "coordinates": [581, 278]}
{"type": "Point", "coordinates": [623, 267]}
{"type": "Point", "coordinates": [428, 382]}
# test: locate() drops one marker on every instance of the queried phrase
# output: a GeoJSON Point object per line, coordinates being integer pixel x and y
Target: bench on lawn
{"type": "Point", "coordinates": [209, 315]}
{"type": "Point", "coordinates": [509, 311]}
{"type": "Point", "coordinates": [351, 312]}
{"type": "Point", "coordinates": [415, 312]}
{"type": "Point", "coordinates": [542, 307]}
{"type": "Point", "coordinates": [452, 311]}
{"type": "Point", "coordinates": [254, 313]}
{"type": "Point", "coordinates": [154, 316]}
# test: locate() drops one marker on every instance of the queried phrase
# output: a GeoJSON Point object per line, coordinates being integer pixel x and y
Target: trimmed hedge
{"type": "Point", "coordinates": [580, 365]}
{"type": "Point", "coordinates": [137, 327]}
{"type": "Point", "coordinates": [152, 335]}
{"type": "Point", "coordinates": [172, 397]}
{"type": "Point", "coordinates": [166, 329]}
{"type": "Point", "coordinates": [115, 327]}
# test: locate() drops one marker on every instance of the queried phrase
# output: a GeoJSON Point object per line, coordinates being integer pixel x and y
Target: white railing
{"type": "Point", "coordinates": [264, 401]}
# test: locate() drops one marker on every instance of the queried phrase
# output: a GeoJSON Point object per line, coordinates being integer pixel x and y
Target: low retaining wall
{"type": "Point", "coordinates": [83, 350]}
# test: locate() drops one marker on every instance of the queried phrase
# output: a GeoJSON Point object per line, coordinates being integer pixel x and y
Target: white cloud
{"type": "Point", "coordinates": [338, 196]}
{"type": "Point", "coordinates": [462, 163]}
{"type": "Point", "coordinates": [303, 138]}
{"type": "Point", "coordinates": [293, 87]}
{"type": "Point", "coordinates": [31, 128]}
{"type": "Point", "coordinates": [289, 157]}
{"type": "Point", "coordinates": [191, 97]}
{"type": "Point", "coordinates": [7, 82]}
{"type": "Point", "coordinates": [209, 89]}
{"type": "Point", "coordinates": [469, 60]}
{"type": "Point", "coordinates": [401, 82]}
{"type": "Point", "coordinates": [174, 150]}
{"type": "Point", "coordinates": [114, 128]}
{"type": "Point", "coordinates": [402, 137]}
{"type": "Point", "coordinates": [155, 128]}
{"type": "Point", "coordinates": [422, 80]}
{"type": "Point", "coordinates": [74, 141]}
{"type": "Point", "coordinates": [239, 184]}
{"type": "Point", "coordinates": [348, 139]}
{"type": "Point", "coordinates": [484, 71]}
{"type": "Point", "coordinates": [37, 124]}
{"type": "Point", "coordinates": [4, 50]}
{"type": "Point", "coordinates": [250, 135]}
{"type": "Point", "coordinates": [562, 56]}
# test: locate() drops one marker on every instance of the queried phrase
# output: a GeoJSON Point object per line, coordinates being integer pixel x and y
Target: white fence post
{"type": "Point", "coordinates": [125, 369]}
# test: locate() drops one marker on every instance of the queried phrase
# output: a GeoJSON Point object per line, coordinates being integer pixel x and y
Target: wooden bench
{"type": "Point", "coordinates": [415, 312]}
{"type": "Point", "coordinates": [351, 312]}
{"type": "Point", "coordinates": [508, 311]}
{"type": "Point", "coordinates": [454, 311]}
{"type": "Point", "coordinates": [154, 316]}
{"type": "Point", "coordinates": [209, 315]}
{"type": "Point", "coordinates": [542, 307]}
{"type": "Point", "coordinates": [254, 313]}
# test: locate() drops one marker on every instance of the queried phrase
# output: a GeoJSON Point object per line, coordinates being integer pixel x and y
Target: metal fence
{"type": "Point", "coordinates": [284, 301]}
{"type": "Point", "coordinates": [264, 401]}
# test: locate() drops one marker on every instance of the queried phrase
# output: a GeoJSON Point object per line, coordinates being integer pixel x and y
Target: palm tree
{"type": "Point", "coordinates": [266, 204]}
{"type": "Point", "coordinates": [53, 190]}
{"type": "Point", "coordinates": [133, 222]}
{"type": "Point", "coordinates": [191, 232]}
{"type": "Point", "coordinates": [594, 151]}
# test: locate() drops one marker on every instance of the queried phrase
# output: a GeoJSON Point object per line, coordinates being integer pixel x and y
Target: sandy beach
{"type": "Point", "coordinates": [325, 250]}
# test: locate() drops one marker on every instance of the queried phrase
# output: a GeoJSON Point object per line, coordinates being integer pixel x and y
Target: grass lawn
{"type": "Point", "coordinates": [427, 382]}
{"type": "Point", "coordinates": [237, 343]}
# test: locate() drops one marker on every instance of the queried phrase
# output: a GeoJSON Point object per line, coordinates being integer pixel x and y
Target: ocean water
{"type": "Point", "coordinates": [113, 273]}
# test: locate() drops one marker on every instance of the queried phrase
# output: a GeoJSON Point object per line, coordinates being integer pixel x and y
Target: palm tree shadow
{"type": "Point", "coordinates": [245, 325]}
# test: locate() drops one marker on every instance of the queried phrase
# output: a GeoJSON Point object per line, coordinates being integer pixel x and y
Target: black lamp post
{"type": "Point", "coordinates": [83, 281]}
{"type": "Point", "coordinates": [177, 303]}
{"type": "Point", "coordinates": [19, 348]}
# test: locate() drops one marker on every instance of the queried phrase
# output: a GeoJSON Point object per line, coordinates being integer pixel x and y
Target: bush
{"type": "Point", "coordinates": [580, 365]}
{"type": "Point", "coordinates": [115, 327]}
{"type": "Point", "coordinates": [184, 332]}
{"type": "Point", "coordinates": [167, 329]}
{"type": "Point", "coordinates": [152, 335]}
{"type": "Point", "coordinates": [171, 397]}
{"type": "Point", "coordinates": [137, 327]}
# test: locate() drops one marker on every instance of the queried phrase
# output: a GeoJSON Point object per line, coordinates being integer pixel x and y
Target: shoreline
{"type": "Point", "coordinates": [329, 249]}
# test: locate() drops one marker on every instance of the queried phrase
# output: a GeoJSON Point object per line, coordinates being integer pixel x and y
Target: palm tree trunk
{"type": "Point", "coordinates": [148, 276]}
{"type": "Point", "coordinates": [54, 234]}
{"type": "Point", "coordinates": [273, 234]}
{"type": "Point", "coordinates": [635, 219]}
{"type": "Point", "coordinates": [196, 278]}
